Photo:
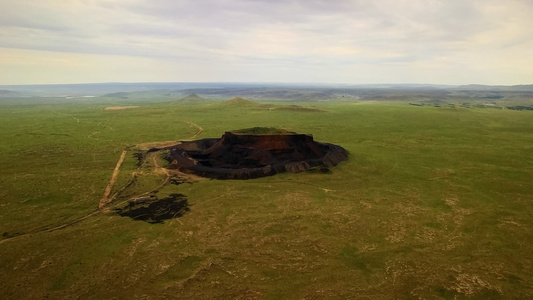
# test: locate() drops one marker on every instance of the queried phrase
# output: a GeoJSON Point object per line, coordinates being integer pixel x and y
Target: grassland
{"type": "Point", "coordinates": [434, 203]}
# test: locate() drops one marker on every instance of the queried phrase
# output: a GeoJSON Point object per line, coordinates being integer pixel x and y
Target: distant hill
{"type": "Point", "coordinates": [192, 99]}
{"type": "Point", "coordinates": [501, 88]}
{"type": "Point", "coordinates": [122, 95]}
{"type": "Point", "coordinates": [495, 91]}
{"type": "Point", "coordinates": [272, 92]}
{"type": "Point", "coordinates": [239, 102]}
{"type": "Point", "coordinates": [8, 93]}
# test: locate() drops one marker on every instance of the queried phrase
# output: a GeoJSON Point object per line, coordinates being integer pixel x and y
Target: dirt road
{"type": "Point", "coordinates": [105, 198]}
{"type": "Point", "coordinates": [198, 132]}
{"type": "Point", "coordinates": [156, 167]}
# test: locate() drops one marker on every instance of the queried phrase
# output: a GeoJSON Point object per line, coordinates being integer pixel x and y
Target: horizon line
{"type": "Point", "coordinates": [269, 83]}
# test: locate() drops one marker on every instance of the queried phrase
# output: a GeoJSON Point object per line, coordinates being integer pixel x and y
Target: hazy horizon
{"type": "Point", "coordinates": [274, 83]}
{"type": "Point", "coordinates": [296, 42]}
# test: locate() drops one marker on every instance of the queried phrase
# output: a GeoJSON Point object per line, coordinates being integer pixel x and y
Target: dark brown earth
{"type": "Point", "coordinates": [245, 156]}
{"type": "Point", "coordinates": [155, 211]}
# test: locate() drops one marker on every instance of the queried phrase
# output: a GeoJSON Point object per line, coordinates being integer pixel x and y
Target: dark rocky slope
{"type": "Point", "coordinates": [244, 156]}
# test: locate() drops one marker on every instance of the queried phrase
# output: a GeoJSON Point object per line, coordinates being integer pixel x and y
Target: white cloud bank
{"type": "Point", "coordinates": [350, 41]}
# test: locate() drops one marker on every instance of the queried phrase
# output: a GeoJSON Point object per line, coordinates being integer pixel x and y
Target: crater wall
{"type": "Point", "coordinates": [245, 156]}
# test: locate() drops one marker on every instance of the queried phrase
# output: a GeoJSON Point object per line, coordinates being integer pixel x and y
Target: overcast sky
{"type": "Point", "coordinates": [322, 41]}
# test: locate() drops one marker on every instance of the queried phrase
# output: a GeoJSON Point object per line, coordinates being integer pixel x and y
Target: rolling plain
{"type": "Point", "coordinates": [434, 202]}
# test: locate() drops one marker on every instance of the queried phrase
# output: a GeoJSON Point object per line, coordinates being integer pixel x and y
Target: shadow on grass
{"type": "Point", "coordinates": [155, 211]}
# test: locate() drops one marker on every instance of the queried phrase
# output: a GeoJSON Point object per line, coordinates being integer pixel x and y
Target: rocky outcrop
{"type": "Point", "coordinates": [245, 156]}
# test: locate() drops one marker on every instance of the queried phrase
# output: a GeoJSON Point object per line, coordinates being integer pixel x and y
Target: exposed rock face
{"type": "Point", "coordinates": [244, 156]}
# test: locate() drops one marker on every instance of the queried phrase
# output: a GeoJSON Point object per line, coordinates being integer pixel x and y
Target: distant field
{"type": "Point", "coordinates": [434, 203]}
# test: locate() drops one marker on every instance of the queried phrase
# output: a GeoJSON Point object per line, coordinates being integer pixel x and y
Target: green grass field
{"type": "Point", "coordinates": [434, 203]}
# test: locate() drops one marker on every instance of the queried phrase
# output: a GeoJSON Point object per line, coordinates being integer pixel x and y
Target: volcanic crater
{"type": "Point", "coordinates": [252, 153]}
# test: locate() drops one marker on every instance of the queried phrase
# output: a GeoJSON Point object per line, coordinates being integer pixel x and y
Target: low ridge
{"type": "Point", "coordinates": [262, 130]}
{"type": "Point", "coordinates": [239, 102]}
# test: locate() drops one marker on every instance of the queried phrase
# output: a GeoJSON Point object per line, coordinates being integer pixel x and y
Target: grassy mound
{"type": "Point", "coordinates": [192, 99]}
{"type": "Point", "coordinates": [239, 102]}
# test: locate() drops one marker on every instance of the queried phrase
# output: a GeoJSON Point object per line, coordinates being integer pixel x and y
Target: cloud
{"type": "Point", "coordinates": [299, 35]}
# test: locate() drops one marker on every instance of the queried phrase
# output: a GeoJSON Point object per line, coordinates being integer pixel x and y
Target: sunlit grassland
{"type": "Point", "coordinates": [433, 203]}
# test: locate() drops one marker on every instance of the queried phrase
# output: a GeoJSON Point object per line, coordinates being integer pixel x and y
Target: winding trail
{"type": "Point", "coordinates": [106, 199]}
{"type": "Point", "coordinates": [198, 132]}
{"type": "Point", "coordinates": [51, 228]}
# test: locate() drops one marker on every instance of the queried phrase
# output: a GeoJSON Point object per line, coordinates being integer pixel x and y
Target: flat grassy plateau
{"type": "Point", "coordinates": [434, 203]}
